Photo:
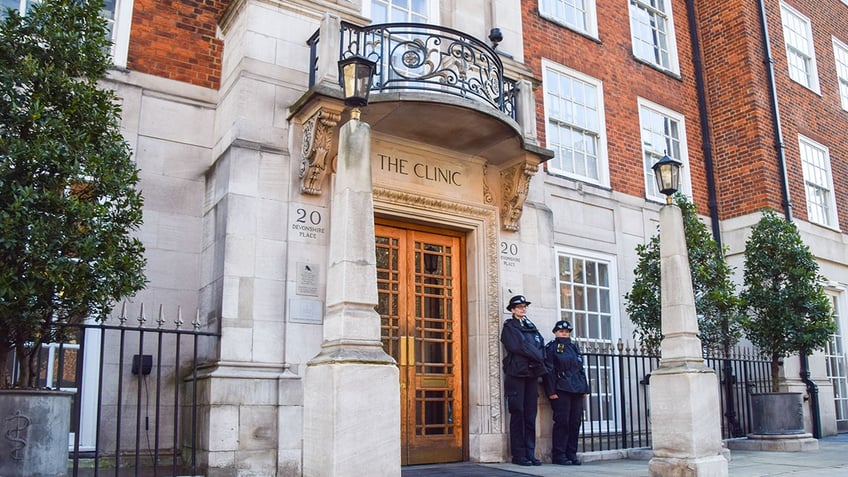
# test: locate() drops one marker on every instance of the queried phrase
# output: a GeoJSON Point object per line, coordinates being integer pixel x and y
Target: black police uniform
{"type": "Point", "coordinates": [523, 364]}
{"type": "Point", "coordinates": [566, 379]}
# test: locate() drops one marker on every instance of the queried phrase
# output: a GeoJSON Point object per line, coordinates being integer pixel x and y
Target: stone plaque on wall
{"type": "Point", "coordinates": [307, 279]}
{"type": "Point", "coordinates": [305, 310]}
{"type": "Point", "coordinates": [308, 223]}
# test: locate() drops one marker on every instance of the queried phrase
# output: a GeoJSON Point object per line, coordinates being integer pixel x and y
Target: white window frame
{"type": "Point", "coordinates": [610, 371]}
{"type": "Point", "coordinates": [798, 38]}
{"type": "Point", "coordinates": [840, 56]}
{"type": "Point", "coordinates": [650, 156]}
{"type": "Point", "coordinates": [557, 11]}
{"type": "Point", "coordinates": [835, 355]}
{"type": "Point", "coordinates": [432, 12]}
{"type": "Point", "coordinates": [24, 4]}
{"type": "Point", "coordinates": [555, 165]}
{"type": "Point", "coordinates": [662, 10]}
{"type": "Point", "coordinates": [818, 177]}
{"type": "Point", "coordinates": [121, 25]}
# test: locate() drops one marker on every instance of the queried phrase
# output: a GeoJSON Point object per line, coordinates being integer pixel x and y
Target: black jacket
{"type": "Point", "coordinates": [567, 373]}
{"type": "Point", "coordinates": [525, 349]}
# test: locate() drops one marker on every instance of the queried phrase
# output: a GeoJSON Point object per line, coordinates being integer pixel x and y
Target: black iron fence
{"type": "Point", "coordinates": [617, 412]}
{"type": "Point", "coordinates": [420, 57]}
{"type": "Point", "coordinates": [134, 410]}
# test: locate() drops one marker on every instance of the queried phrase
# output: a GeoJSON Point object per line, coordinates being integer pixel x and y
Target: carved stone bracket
{"type": "Point", "coordinates": [515, 182]}
{"type": "Point", "coordinates": [317, 150]}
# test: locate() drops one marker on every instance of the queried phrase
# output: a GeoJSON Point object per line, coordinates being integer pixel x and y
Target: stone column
{"type": "Point", "coordinates": [685, 409]}
{"type": "Point", "coordinates": [351, 422]}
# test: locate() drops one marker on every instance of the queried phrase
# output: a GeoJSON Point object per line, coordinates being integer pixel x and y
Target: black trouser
{"type": "Point", "coordinates": [568, 413]}
{"type": "Point", "coordinates": [522, 396]}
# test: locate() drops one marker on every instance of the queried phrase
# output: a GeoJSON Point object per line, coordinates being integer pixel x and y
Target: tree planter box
{"type": "Point", "coordinates": [34, 426]}
{"type": "Point", "coordinates": [777, 414]}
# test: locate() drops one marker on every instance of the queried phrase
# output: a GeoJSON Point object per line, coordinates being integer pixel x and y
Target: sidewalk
{"type": "Point", "coordinates": [830, 460]}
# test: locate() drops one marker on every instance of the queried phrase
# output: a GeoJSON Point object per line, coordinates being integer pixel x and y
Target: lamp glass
{"type": "Point", "coordinates": [667, 174]}
{"type": "Point", "coordinates": [355, 79]}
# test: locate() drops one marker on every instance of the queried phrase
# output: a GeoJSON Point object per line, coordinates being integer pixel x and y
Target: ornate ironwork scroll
{"type": "Point", "coordinates": [415, 56]}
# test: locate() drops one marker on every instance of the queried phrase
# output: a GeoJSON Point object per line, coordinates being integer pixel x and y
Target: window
{"type": "Point", "coordinates": [579, 15]}
{"type": "Point", "coordinates": [587, 300]}
{"type": "Point", "coordinates": [836, 363]}
{"type": "Point", "coordinates": [20, 5]}
{"type": "Point", "coordinates": [663, 133]}
{"type": "Point", "coordinates": [118, 15]}
{"type": "Point", "coordinates": [574, 124]}
{"type": "Point", "coordinates": [585, 296]}
{"type": "Point", "coordinates": [840, 52]}
{"type": "Point", "coordinates": [798, 36]}
{"type": "Point", "coordinates": [401, 11]}
{"type": "Point", "coordinates": [818, 183]}
{"type": "Point", "coordinates": [393, 69]}
{"type": "Point", "coordinates": [652, 32]}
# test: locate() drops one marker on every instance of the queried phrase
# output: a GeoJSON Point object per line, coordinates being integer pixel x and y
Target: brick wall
{"type": "Point", "coordinates": [625, 79]}
{"type": "Point", "coordinates": [745, 144]}
{"type": "Point", "coordinates": [176, 39]}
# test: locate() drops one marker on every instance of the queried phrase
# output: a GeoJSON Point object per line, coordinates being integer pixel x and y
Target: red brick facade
{"type": "Point", "coordinates": [748, 171]}
{"type": "Point", "coordinates": [625, 78]}
{"type": "Point", "coordinates": [176, 39]}
{"type": "Point", "coordinates": [743, 140]}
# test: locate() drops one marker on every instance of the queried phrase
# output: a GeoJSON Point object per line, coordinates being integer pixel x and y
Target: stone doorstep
{"type": "Point", "coordinates": [775, 442]}
{"type": "Point", "coordinates": [636, 453]}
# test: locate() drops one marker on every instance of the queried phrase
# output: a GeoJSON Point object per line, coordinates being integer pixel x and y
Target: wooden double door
{"type": "Point", "coordinates": [420, 285]}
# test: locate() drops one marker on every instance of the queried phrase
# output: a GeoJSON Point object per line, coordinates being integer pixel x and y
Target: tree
{"type": "Point", "coordinates": [716, 303]}
{"type": "Point", "coordinates": [788, 310]}
{"type": "Point", "coordinates": [68, 201]}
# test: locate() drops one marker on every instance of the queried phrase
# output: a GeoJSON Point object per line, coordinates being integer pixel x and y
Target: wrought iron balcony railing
{"type": "Point", "coordinates": [419, 57]}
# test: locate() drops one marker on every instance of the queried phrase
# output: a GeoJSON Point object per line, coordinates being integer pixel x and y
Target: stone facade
{"type": "Point", "coordinates": [237, 157]}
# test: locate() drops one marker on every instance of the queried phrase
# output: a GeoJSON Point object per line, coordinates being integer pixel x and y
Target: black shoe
{"type": "Point", "coordinates": [535, 461]}
{"type": "Point", "coordinates": [561, 461]}
{"type": "Point", "coordinates": [522, 462]}
{"type": "Point", "coordinates": [574, 460]}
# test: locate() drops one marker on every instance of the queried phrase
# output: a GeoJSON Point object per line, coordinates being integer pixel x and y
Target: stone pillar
{"type": "Point", "coordinates": [685, 409]}
{"type": "Point", "coordinates": [351, 421]}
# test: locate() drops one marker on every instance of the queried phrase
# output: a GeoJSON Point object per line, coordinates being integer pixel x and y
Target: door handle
{"type": "Point", "coordinates": [407, 350]}
{"type": "Point", "coordinates": [402, 345]}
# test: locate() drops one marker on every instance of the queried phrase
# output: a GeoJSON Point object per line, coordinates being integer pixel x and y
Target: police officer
{"type": "Point", "coordinates": [566, 385]}
{"type": "Point", "coordinates": [523, 364]}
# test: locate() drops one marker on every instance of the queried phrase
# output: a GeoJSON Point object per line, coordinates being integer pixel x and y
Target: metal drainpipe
{"type": "Point", "coordinates": [706, 141]}
{"type": "Point", "coordinates": [812, 388]}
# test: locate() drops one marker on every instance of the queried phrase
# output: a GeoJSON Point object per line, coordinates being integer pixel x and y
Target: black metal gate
{"type": "Point", "coordinates": [135, 407]}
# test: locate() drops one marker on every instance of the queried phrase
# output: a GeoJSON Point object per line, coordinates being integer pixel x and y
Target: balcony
{"type": "Point", "coordinates": [432, 85]}
{"type": "Point", "coordinates": [416, 57]}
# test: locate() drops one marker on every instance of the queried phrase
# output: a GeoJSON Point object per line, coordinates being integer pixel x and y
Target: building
{"type": "Point", "coordinates": [500, 166]}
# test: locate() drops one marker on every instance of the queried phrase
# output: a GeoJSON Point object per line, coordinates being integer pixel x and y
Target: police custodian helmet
{"type": "Point", "coordinates": [562, 325]}
{"type": "Point", "coordinates": [516, 300]}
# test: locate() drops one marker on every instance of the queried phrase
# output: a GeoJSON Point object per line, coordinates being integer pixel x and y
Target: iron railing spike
{"type": "Point", "coordinates": [141, 317]}
{"type": "Point", "coordinates": [123, 318]}
{"type": "Point", "coordinates": [161, 320]}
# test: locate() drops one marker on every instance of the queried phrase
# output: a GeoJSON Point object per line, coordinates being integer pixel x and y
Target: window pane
{"type": "Point", "coordinates": [574, 124]}
{"type": "Point", "coordinates": [585, 296]}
